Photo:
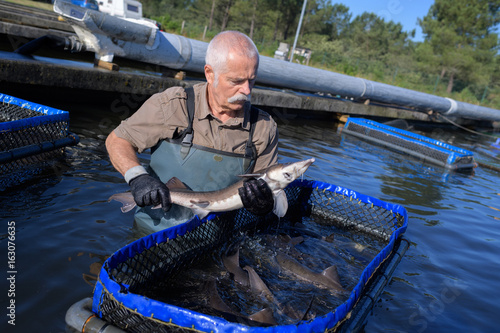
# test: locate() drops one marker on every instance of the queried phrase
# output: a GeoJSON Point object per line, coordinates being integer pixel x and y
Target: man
{"type": "Point", "coordinates": [205, 137]}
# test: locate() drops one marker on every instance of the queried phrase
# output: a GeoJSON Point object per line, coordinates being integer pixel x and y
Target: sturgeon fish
{"type": "Point", "coordinates": [328, 278]}
{"type": "Point", "coordinates": [257, 285]}
{"type": "Point", "coordinates": [232, 264]}
{"type": "Point", "coordinates": [264, 316]}
{"type": "Point", "coordinates": [277, 178]}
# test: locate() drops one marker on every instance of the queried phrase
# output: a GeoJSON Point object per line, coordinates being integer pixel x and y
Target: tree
{"type": "Point", "coordinates": [327, 19]}
{"type": "Point", "coordinates": [461, 35]}
{"type": "Point", "coordinates": [290, 14]}
{"type": "Point", "coordinates": [254, 17]}
{"type": "Point", "coordinates": [225, 18]}
{"type": "Point", "coordinates": [376, 37]}
{"type": "Point", "coordinates": [211, 20]}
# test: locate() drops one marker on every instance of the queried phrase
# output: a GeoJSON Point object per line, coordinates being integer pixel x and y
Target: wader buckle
{"type": "Point", "coordinates": [186, 144]}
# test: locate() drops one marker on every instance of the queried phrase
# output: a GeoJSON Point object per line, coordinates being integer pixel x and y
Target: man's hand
{"type": "Point", "coordinates": [256, 196]}
{"type": "Point", "coordinates": [149, 191]}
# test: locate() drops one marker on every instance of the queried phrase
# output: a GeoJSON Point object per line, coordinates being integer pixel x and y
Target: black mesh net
{"type": "Point", "coordinates": [11, 112]}
{"type": "Point", "coordinates": [146, 272]}
{"type": "Point", "coordinates": [26, 136]}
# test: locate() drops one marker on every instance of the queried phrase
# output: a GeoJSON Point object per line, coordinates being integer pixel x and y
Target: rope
{"type": "Point", "coordinates": [465, 128]}
{"type": "Point", "coordinates": [488, 166]}
{"type": "Point", "coordinates": [481, 164]}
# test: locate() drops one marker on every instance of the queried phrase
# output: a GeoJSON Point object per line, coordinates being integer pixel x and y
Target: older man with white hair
{"type": "Point", "coordinates": [205, 136]}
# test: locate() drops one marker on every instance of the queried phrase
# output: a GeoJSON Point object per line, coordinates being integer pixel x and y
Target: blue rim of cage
{"type": "Point", "coordinates": [453, 152]}
{"type": "Point", "coordinates": [182, 317]}
{"type": "Point", "coordinates": [46, 146]}
{"type": "Point", "coordinates": [432, 142]}
{"type": "Point", "coordinates": [48, 114]}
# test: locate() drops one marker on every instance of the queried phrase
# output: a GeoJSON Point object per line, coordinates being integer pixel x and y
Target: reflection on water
{"type": "Point", "coordinates": [65, 227]}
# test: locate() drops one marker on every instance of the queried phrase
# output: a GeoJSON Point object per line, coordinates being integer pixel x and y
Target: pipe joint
{"type": "Point", "coordinates": [363, 82]}
{"type": "Point", "coordinates": [453, 106]}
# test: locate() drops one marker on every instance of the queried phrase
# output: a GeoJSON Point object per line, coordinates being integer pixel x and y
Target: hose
{"type": "Point", "coordinates": [83, 320]}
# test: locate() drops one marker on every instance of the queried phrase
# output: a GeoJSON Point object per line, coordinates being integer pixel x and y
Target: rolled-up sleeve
{"type": "Point", "coordinates": [150, 123]}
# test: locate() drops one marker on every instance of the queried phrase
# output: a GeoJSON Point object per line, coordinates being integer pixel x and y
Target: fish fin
{"type": "Point", "coordinates": [126, 199]}
{"type": "Point", "coordinates": [280, 204]}
{"type": "Point", "coordinates": [332, 274]}
{"type": "Point", "coordinates": [360, 248]}
{"type": "Point", "coordinates": [127, 208]}
{"type": "Point", "coordinates": [199, 208]}
{"type": "Point", "coordinates": [264, 316]}
{"type": "Point", "coordinates": [304, 316]}
{"type": "Point", "coordinates": [257, 285]}
{"type": "Point", "coordinates": [233, 258]}
{"type": "Point", "coordinates": [297, 240]}
{"type": "Point", "coordinates": [330, 238]}
{"type": "Point", "coordinates": [254, 280]}
{"type": "Point", "coordinates": [232, 264]}
{"type": "Point", "coordinates": [175, 183]}
{"type": "Point", "coordinates": [200, 212]}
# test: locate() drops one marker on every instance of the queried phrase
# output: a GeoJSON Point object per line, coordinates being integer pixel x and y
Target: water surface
{"type": "Point", "coordinates": [447, 281]}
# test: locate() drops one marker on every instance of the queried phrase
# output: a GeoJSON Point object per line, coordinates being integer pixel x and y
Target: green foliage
{"type": "Point", "coordinates": [459, 57]}
{"type": "Point", "coordinates": [460, 39]}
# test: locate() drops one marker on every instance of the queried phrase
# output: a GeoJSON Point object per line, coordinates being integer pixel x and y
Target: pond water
{"type": "Point", "coordinates": [446, 282]}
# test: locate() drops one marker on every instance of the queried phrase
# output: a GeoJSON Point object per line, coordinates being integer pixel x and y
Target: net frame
{"type": "Point", "coordinates": [419, 146]}
{"type": "Point", "coordinates": [32, 136]}
{"type": "Point", "coordinates": [121, 294]}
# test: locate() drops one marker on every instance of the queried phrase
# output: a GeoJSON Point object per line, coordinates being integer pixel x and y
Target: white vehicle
{"type": "Point", "coordinates": [121, 8]}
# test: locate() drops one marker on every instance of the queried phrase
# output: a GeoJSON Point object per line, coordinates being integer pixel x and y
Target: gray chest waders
{"type": "Point", "coordinates": [200, 168]}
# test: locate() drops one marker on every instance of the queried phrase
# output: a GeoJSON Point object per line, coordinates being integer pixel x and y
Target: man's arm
{"type": "Point", "coordinates": [147, 190]}
{"type": "Point", "coordinates": [122, 154]}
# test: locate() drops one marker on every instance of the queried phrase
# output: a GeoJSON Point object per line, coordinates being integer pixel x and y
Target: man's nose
{"type": "Point", "coordinates": [246, 88]}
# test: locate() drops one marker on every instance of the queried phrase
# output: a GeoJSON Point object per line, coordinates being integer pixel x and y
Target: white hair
{"type": "Point", "coordinates": [224, 43]}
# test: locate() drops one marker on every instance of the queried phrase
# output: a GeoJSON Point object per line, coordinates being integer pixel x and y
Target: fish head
{"type": "Point", "coordinates": [279, 176]}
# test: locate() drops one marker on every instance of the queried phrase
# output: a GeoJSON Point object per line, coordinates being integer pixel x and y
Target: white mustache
{"type": "Point", "coordinates": [239, 97]}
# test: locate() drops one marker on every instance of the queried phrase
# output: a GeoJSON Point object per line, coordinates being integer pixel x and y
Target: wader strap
{"type": "Point", "coordinates": [187, 140]}
{"type": "Point", "coordinates": [250, 151]}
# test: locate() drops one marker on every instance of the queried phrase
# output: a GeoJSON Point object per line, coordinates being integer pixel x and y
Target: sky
{"type": "Point", "coordinates": [405, 12]}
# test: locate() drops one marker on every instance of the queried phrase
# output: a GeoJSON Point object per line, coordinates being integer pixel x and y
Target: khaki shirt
{"type": "Point", "coordinates": [165, 114]}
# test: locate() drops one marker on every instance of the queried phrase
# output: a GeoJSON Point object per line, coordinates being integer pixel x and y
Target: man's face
{"type": "Point", "coordinates": [233, 85]}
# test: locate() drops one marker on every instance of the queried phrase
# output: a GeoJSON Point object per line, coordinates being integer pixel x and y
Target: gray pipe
{"type": "Point", "coordinates": [182, 53]}
{"type": "Point", "coordinates": [295, 76]}
{"type": "Point", "coordinates": [82, 319]}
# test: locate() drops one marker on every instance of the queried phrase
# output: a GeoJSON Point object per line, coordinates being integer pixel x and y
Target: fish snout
{"type": "Point", "coordinates": [301, 167]}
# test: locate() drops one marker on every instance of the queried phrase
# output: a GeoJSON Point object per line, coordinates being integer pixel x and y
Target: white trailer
{"type": "Point", "coordinates": [121, 8]}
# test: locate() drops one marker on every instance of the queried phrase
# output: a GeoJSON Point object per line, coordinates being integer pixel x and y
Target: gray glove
{"type": "Point", "coordinates": [150, 191]}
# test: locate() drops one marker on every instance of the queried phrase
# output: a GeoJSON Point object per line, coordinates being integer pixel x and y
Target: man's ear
{"type": "Point", "coordinates": [209, 74]}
